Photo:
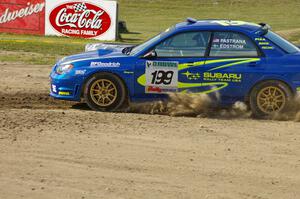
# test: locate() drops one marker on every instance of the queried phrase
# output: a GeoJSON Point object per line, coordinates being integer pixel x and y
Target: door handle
{"type": "Point", "coordinates": [252, 64]}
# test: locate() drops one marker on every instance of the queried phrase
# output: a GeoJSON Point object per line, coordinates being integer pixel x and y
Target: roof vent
{"type": "Point", "coordinates": [191, 20]}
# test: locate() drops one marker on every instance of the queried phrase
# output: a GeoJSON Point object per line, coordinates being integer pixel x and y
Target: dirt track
{"type": "Point", "coordinates": [52, 149]}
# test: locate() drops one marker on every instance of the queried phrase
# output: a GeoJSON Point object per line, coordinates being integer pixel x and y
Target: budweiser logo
{"type": "Point", "coordinates": [30, 9]}
{"type": "Point", "coordinates": [80, 19]}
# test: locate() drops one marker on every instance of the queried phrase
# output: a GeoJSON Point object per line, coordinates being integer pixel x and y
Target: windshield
{"type": "Point", "coordinates": [282, 43]}
{"type": "Point", "coordinates": [141, 47]}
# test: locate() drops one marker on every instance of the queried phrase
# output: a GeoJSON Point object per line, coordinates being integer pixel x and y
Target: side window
{"type": "Point", "coordinates": [189, 44]}
{"type": "Point", "coordinates": [230, 44]}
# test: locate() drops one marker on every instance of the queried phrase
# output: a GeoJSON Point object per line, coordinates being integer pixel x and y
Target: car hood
{"type": "Point", "coordinates": [103, 51]}
{"type": "Point", "coordinates": [105, 46]}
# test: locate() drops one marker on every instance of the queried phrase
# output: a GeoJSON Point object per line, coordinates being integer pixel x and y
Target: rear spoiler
{"type": "Point", "coordinates": [264, 28]}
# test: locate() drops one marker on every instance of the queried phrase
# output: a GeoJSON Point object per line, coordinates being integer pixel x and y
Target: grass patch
{"type": "Point", "coordinates": [145, 18]}
{"type": "Point", "coordinates": [28, 58]}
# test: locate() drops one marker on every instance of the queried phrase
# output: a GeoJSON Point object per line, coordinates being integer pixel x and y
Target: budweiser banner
{"type": "Point", "coordinates": [22, 16]}
{"type": "Point", "coordinates": [95, 19]}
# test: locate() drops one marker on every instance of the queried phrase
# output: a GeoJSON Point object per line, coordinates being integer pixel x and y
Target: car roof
{"type": "Point", "coordinates": [219, 24]}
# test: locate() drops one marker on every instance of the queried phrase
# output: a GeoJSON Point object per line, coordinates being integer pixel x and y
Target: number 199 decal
{"type": "Point", "coordinates": [161, 76]}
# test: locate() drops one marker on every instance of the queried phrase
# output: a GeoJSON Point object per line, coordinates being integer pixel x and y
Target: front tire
{"type": "Point", "coordinates": [269, 98]}
{"type": "Point", "coordinates": [105, 92]}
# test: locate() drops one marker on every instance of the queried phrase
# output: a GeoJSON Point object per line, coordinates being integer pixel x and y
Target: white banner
{"type": "Point", "coordinates": [95, 19]}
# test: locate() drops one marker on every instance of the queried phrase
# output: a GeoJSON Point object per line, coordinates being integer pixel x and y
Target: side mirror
{"type": "Point", "coordinates": [150, 55]}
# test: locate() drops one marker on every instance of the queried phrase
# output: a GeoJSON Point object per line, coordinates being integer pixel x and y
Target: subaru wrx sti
{"type": "Point", "coordinates": [240, 61]}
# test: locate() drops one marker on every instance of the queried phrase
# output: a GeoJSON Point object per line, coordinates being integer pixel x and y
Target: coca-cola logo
{"type": "Point", "coordinates": [80, 19]}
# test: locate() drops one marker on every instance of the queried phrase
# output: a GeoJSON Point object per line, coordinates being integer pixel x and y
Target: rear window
{"type": "Point", "coordinates": [282, 43]}
{"type": "Point", "coordinates": [231, 44]}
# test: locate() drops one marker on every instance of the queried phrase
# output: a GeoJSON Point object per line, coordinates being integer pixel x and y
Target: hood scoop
{"type": "Point", "coordinates": [106, 46]}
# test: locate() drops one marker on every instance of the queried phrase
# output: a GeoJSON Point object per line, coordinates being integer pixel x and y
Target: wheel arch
{"type": "Point", "coordinates": [115, 73]}
{"type": "Point", "coordinates": [247, 97]}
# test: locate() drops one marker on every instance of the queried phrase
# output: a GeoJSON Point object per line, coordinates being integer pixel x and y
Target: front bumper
{"type": "Point", "coordinates": [65, 87]}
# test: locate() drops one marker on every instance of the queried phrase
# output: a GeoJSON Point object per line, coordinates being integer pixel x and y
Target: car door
{"type": "Point", "coordinates": [233, 60]}
{"type": "Point", "coordinates": [173, 65]}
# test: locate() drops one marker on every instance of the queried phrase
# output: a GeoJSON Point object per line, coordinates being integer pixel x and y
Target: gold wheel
{"type": "Point", "coordinates": [271, 99]}
{"type": "Point", "coordinates": [103, 92]}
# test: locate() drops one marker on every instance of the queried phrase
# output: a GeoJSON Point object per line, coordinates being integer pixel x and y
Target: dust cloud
{"type": "Point", "coordinates": [202, 105]}
{"type": "Point", "coordinates": [191, 105]}
{"type": "Point", "coordinates": [292, 112]}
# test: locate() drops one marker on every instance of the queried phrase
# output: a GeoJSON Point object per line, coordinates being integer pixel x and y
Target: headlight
{"type": "Point", "coordinates": [63, 69]}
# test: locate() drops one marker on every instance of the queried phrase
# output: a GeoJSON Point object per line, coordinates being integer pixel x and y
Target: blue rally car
{"type": "Point", "coordinates": [240, 61]}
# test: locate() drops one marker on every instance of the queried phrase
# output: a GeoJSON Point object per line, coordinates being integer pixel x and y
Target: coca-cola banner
{"type": "Point", "coordinates": [95, 19]}
{"type": "Point", "coordinates": [22, 16]}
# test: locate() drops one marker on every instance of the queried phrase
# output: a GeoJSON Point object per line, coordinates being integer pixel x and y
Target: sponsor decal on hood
{"type": "Point", "coordinates": [106, 64]}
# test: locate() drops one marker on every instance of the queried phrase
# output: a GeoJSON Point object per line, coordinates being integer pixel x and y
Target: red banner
{"type": "Point", "coordinates": [22, 16]}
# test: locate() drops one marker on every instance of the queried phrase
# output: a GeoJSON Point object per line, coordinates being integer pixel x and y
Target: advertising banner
{"type": "Point", "coordinates": [22, 16]}
{"type": "Point", "coordinates": [95, 19]}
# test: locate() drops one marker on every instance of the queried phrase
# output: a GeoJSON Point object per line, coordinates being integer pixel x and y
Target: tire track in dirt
{"type": "Point", "coordinates": [31, 101]}
{"type": "Point", "coordinates": [75, 153]}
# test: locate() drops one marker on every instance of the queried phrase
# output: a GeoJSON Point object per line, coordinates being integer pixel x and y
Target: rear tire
{"type": "Point", "coordinates": [105, 92]}
{"type": "Point", "coordinates": [269, 98]}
